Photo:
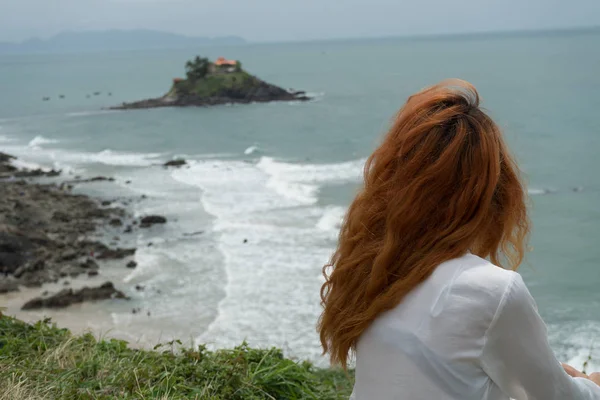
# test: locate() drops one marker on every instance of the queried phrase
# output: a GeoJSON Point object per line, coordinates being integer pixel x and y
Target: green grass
{"type": "Point", "coordinates": [215, 84]}
{"type": "Point", "coordinates": [42, 361]}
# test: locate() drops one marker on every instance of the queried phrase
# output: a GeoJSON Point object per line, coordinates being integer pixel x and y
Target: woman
{"type": "Point", "coordinates": [409, 290]}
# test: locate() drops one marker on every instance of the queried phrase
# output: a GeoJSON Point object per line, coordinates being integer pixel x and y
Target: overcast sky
{"type": "Point", "coordinates": [281, 20]}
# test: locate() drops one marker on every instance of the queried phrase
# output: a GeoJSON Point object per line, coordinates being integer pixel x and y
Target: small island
{"type": "Point", "coordinates": [213, 83]}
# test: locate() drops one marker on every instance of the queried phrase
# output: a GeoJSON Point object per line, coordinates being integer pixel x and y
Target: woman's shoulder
{"type": "Point", "coordinates": [483, 283]}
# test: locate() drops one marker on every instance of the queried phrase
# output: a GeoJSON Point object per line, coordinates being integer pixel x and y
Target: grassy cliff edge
{"type": "Point", "coordinates": [42, 361]}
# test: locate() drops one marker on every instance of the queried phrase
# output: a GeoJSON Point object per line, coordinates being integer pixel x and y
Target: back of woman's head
{"type": "Point", "coordinates": [441, 183]}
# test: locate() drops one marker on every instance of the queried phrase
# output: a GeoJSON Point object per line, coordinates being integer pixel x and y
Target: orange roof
{"type": "Point", "coordinates": [222, 61]}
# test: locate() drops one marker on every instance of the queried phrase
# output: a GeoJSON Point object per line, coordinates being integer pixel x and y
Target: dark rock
{"type": "Point", "coordinates": [131, 264]}
{"type": "Point", "coordinates": [150, 220]}
{"type": "Point", "coordinates": [89, 264]}
{"type": "Point", "coordinates": [61, 216]}
{"type": "Point", "coordinates": [115, 254]}
{"type": "Point", "coordinates": [96, 213]}
{"type": "Point", "coordinates": [128, 229]}
{"type": "Point", "coordinates": [66, 283]}
{"type": "Point", "coordinates": [106, 203]}
{"type": "Point", "coordinates": [116, 222]}
{"type": "Point", "coordinates": [36, 279]}
{"type": "Point", "coordinates": [100, 179]}
{"type": "Point", "coordinates": [35, 173]}
{"type": "Point", "coordinates": [71, 270]}
{"type": "Point", "coordinates": [175, 163]}
{"type": "Point", "coordinates": [30, 267]}
{"type": "Point", "coordinates": [193, 233]}
{"type": "Point", "coordinates": [127, 182]}
{"type": "Point", "coordinates": [4, 158]}
{"type": "Point", "coordinates": [66, 297]}
{"type": "Point", "coordinates": [245, 240]}
{"type": "Point", "coordinates": [92, 273]}
{"type": "Point", "coordinates": [15, 250]}
{"type": "Point", "coordinates": [8, 285]}
{"type": "Point", "coordinates": [139, 288]}
{"type": "Point", "coordinates": [68, 255]}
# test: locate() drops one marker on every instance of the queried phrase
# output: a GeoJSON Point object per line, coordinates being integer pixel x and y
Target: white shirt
{"type": "Point", "coordinates": [471, 331]}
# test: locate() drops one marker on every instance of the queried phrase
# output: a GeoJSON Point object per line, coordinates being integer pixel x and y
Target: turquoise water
{"type": "Point", "coordinates": [280, 175]}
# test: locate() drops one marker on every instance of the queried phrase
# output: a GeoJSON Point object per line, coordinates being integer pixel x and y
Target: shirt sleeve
{"type": "Point", "coordinates": [518, 357]}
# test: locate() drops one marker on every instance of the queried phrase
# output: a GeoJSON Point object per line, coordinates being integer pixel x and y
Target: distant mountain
{"type": "Point", "coordinates": [95, 41]}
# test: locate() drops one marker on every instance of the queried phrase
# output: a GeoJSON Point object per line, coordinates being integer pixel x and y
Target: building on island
{"type": "Point", "coordinates": [224, 65]}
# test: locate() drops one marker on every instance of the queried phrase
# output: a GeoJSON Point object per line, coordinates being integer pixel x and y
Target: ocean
{"type": "Point", "coordinates": [254, 216]}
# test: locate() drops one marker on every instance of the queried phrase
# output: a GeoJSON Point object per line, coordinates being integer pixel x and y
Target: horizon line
{"type": "Point", "coordinates": [441, 35]}
{"type": "Point", "coordinates": [585, 28]}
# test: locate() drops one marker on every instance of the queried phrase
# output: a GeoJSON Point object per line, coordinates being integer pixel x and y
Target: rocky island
{"type": "Point", "coordinates": [213, 83]}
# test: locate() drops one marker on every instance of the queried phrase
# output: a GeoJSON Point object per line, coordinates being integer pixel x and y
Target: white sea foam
{"type": "Point", "coordinates": [315, 96]}
{"type": "Point", "coordinates": [332, 219]}
{"type": "Point", "coordinates": [106, 157]}
{"type": "Point", "coordinates": [539, 192]}
{"type": "Point", "coordinates": [274, 241]}
{"type": "Point", "coordinates": [251, 150]}
{"type": "Point", "coordinates": [90, 113]}
{"type": "Point", "coordinates": [349, 171]}
{"type": "Point", "coordinates": [32, 156]}
{"type": "Point", "coordinates": [38, 141]}
{"type": "Point", "coordinates": [302, 181]}
{"type": "Point", "coordinates": [19, 163]}
{"type": "Point", "coordinates": [110, 157]}
{"type": "Point", "coordinates": [576, 342]}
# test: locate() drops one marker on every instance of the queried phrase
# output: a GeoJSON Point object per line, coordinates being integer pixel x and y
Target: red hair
{"type": "Point", "coordinates": [441, 183]}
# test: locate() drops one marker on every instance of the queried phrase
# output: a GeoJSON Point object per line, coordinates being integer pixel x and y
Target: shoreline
{"type": "Point", "coordinates": [106, 252]}
{"type": "Point", "coordinates": [54, 243]}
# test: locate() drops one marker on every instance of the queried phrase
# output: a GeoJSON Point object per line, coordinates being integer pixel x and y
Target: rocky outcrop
{"type": "Point", "coordinates": [67, 297]}
{"type": "Point", "coordinates": [148, 221]}
{"type": "Point", "coordinates": [175, 163]}
{"type": "Point", "coordinates": [253, 90]}
{"type": "Point", "coordinates": [8, 285]}
{"type": "Point", "coordinates": [115, 254]}
{"type": "Point", "coordinates": [7, 170]}
{"type": "Point", "coordinates": [45, 233]}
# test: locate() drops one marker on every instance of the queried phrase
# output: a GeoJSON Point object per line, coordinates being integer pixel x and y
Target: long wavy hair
{"type": "Point", "coordinates": [441, 183]}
